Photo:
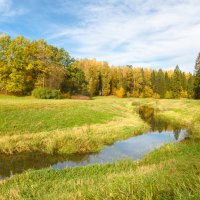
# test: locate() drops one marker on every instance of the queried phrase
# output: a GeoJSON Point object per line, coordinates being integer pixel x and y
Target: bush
{"type": "Point", "coordinates": [156, 96]}
{"type": "Point", "coordinates": [184, 94]}
{"type": "Point", "coordinates": [128, 94]}
{"type": "Point", "coordinates": [147, 92]}
{"type": "Point", "coordinates": [81, 97]}
{"type": "Point", "coordinates": [45, 93]}
{"type": "Point", "coordinates": [168, 95]}
{"type": "Point", "coordinates": [136, 103]}
{"type": "Point", "coordinates": [66, 95]}
{"type": "Point", "coordinates": [120, 92]}
{"type": "Point", "coordinates": [136, 94]}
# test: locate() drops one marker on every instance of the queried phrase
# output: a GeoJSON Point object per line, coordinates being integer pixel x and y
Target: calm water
{"type": "Point", "coordinates": [133, 148]}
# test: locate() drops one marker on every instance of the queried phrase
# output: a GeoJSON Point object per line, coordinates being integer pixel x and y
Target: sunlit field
{"type": "Point", "coordinates": [170, 172]}
{"type": "Point", "coordinates": [65, 126]}
{"type": "Point", "coordinates": [99, 100]}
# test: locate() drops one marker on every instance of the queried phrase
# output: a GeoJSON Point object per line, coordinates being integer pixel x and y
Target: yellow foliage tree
{"type": "Point", "coordinates": [120, 92]}
{"type": "Point", "coordinates": [184, 94]}
{"type": "Point", "coordinates": [147, 92]}
{"type": "Point", "coordinates": [168, 95]}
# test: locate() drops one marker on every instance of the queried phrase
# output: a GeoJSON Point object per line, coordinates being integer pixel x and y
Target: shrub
{"type": "Point", "coordinates": [156, 96]}
{"type": "Point", "coordinates": [136, 103]}
{"type": "Point", "coordinates": [136, 94]}
{"type": "Point", "coordinates": [128, 94]}
{"type": "Point", "coordinates": [81, 97]}
{"type": "Point", "coordinates": [66, 95]}
{"type": "Point", "coordinates": [184, 94]}
{"type": "Point", "coordinates": [120, 92]}
{"type": "Point", "coordinates": [147, 92]}
{"type": "Point", "coordinates": [168, 95]}
{"type": "Point", "coordinates": [45, 93]}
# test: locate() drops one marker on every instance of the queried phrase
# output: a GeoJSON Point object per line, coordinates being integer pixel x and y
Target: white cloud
{"type": "Point", "coordinates": [142, 33]}
{"type": "Point", "coordinates": [8, 9]}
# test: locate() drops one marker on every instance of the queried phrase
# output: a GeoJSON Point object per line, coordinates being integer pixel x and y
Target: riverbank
{"type": "Point", "coordinates": [170, 172]}
{"type": "Point", "coordinates": [65, 126]}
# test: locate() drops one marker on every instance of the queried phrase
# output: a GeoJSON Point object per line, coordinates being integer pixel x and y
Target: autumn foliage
{"type": "Point", "coordinates": [120, 92]}
{"type": "Point", "coordinates": [26, 65]}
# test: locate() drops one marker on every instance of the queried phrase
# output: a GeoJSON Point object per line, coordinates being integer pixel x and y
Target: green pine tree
{"type": "Point", "coordinates": [160, 83]}
{"type": "Point", "coordinates": [197, 79]}
{"type": "Point", "coordinates": [176, 83]}
{"type": "Point", "coordinates": [153, 80]}
{"type": "Point", "coordinates": [190, 86]}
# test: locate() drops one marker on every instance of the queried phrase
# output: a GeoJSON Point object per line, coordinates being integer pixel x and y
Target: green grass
{"type": "Point", "coordinates": [170, 172]}
{"type": "Point", "coordinates": [65, 126]}
{"type": "Point", "coordinates": [173, 172]}
{"type": "Point", "coordinates": [25, 115]}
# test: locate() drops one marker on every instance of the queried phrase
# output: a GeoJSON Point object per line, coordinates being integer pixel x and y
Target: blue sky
{"type": "Point", "coordinates": [147, 33]}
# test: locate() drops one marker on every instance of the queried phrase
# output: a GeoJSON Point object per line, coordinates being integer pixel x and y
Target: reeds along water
{"type": "Point", "coordinates": [135, 147]}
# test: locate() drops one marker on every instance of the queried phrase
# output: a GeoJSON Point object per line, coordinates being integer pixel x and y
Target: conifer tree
{"type": "Point", "coordinates": [167, 82]}
{"type": "Point", "coordinates": [197, 79]}
{"type": "Point", "coordinates": [153, 80]}
{"type": "Point", "coordinates": [160, 83]}
{"type": "Point", "coordinates": [183, 81]}
{"type": "Point", "coordinates": [144, 80]}
{"type": "Point", "coordinates": [176, 83]}
{"type": "Point", "coordinates": [128, 85]}
{"type": "Point", "coordinates": [190, 86]}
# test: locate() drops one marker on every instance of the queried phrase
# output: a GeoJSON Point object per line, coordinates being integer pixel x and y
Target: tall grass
{"type": "Point", "coordinates": [158, 176]}
{"type": "Point", "coordinates": [170, 172]}
{"type": "Point", "coordinates": [65, 126]}
{"type": "Point", "coordinates": [74, 140]}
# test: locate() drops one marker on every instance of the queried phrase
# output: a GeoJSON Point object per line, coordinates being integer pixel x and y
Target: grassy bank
{"type": "Point", "coordinates": [184, 112]}
{"type": "Point", "coordinates": [170, 172]}
{"type": "Point", "coordinates": [65, 126]}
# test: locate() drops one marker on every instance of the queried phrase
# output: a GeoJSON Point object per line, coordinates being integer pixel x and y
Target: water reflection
{"type": "Point", "coordinates": [12, 164]}
{"type": "Point", "coordinates": [134, 148]}
{"type": "Point", "coordinates": [161, 132]}
{"type": "Point", "coordinates": [149, 115]}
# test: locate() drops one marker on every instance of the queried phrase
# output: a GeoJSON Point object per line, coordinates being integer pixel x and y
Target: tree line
{"type": "Point", "coordinates": [26, 65]}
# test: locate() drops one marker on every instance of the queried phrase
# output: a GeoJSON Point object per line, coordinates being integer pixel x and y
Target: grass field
{"type": "Point", "coordinates": [65, 126]}
{"type": "Point", "coordinates": [170, 172]}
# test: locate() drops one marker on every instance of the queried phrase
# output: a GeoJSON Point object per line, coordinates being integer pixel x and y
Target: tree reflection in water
{"type": "Point", "coordinates": [149, 115]}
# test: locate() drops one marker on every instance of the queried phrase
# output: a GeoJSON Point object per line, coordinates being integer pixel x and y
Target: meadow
{"type": "Point", "coordinates": [71, 126]}
{"type": "Point", "coordinates": [65, 126]}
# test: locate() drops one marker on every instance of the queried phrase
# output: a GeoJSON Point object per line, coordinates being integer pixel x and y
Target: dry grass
{"type": "Point", "coordinates": [74, 140]}
{"type": "Point", "coordinates": [116, 121]}
{"type": "Point", "coordinates": [170, 172]}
